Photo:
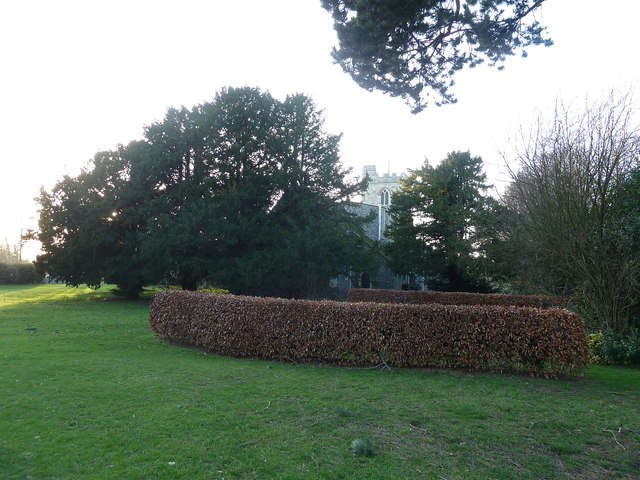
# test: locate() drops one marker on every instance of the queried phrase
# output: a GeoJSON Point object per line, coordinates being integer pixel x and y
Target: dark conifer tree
{"type": "Point", "coordinates": [413, 48]}
{"type": "Point", "coordinates": [434, 227]}
{"type": "Point", "coordinates": [245, 191]}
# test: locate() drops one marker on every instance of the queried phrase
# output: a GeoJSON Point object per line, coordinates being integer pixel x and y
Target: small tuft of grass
{"type": "Point", "coordinates": [363, 447]}
{"type": "Point", "coordinates": [344, 412]}
{"type": "Point", "coordinates": [566, 447]}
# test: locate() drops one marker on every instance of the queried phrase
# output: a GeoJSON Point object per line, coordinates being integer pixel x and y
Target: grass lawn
{"type": "Point", "coordinates": [87, 391]}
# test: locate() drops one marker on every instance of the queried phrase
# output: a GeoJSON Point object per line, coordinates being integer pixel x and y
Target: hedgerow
{"type": "Point", "coordinates": [499, 338]}
{"type": "Point", "coordinates": [453, 298]}
{"type": "Point", "coordinates": [18, 273]}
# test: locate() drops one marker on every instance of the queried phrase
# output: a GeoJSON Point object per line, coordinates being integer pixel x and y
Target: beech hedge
{"type": "Point", "coordinates": [453, 298]}
{"type": "Point", "coordinates": [497, 338]}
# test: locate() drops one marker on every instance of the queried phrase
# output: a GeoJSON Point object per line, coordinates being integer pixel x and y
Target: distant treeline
{"type": "Point", "coordinates": [18, 273]}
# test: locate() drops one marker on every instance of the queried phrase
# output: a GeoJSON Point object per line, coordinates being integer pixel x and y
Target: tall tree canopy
{"type": "Point", "coordinates": [315, 235]}
{"type": "Point", "coordinates": [216, 165]}
{"type": "Point", "coordinates": [90, 225]}
{"type": "Point", "coordinates": [436, 224]}
{"type": "Point", "coordinates": [412, 48]}
{"type": "Point", "coordinates": [98, 226]}
{"type": "Point", "coordinates": [245, 191]}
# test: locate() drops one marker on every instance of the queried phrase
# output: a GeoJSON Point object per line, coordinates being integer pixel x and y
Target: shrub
{"type": "Point", "coordinates": [594, 342]}
{"type": "Point", "coordinates": [633, 347]}
{"type": "Point", "coordinates": [484, 337]}
{"type": "Point", "coordinates": [453, 298]}
{"type": "Point", "coordinates": [612, 348]}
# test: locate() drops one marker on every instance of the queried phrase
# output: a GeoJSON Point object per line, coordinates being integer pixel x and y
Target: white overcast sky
{"type": "Point", "coordinates": [82, 76]}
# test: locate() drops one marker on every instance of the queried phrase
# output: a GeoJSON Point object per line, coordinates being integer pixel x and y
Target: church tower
{"type": "Point", "coordinates": [375, 207]}
{"type": "Point", "coordinates": [378, 197]}
{"type": "Point", "coordinates": [381, 188]}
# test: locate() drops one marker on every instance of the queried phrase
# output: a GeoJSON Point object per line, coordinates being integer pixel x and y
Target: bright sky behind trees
{"type": "Point", "coordinates": [78, 77]}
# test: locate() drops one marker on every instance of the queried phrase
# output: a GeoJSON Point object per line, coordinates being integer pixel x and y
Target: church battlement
{"type": "Point", "coordinates": [381, 188]}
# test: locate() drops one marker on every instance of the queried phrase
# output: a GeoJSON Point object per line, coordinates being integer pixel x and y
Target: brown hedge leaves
{"type": "Point", "coordinates": [453, 298]}
{"type": "Point", "coordinates": [486, 337]}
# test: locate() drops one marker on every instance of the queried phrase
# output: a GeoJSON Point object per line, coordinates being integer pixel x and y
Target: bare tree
{"type": "Point", "coordinates": [571, 195]}
{"type": "Point", "coordinates": [10, 253]}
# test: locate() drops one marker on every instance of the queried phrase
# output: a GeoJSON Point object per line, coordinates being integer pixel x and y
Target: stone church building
{"type": "Point", "coordinates": [377, 199]}
{"type": "Point", "coordinates": [375, 204]}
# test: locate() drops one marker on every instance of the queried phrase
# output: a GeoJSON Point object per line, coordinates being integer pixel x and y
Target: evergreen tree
{"type": "Point", "coordinates": [245, 191]}
{"type": "Point", "coordinates": [315, 238]}
{"type": "Point", "coordinates": [434, 224]}
{"type": "Point", "coordinates": [89, 225]}
{"type": "Point", "coordinates": [413, 48]}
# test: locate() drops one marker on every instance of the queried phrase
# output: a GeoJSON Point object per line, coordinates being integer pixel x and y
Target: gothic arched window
{"type": "Point", "coordinates": [385, 198]}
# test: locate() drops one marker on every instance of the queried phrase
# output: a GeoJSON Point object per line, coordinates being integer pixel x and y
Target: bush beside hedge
{"type": "Point", "coordinates": [495, 338]}
{"type": "Point", "coordinates": [452, 298]}
{"type": "Point", "coordinates": [612, 348]}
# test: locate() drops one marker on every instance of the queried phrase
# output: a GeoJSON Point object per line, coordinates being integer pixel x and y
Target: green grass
{"type": "Point", "coordinates": [87, 391]}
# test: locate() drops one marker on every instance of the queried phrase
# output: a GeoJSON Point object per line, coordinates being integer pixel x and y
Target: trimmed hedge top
{"type": "Point", "coordinates": [495, 338]}
{"type": "Point", "coordinates": [453, 298]}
